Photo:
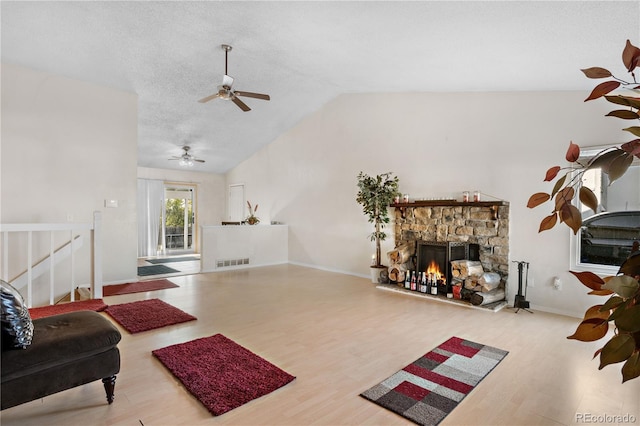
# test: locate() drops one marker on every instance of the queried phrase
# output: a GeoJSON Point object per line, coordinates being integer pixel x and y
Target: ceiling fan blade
{"type": "Point", "coordinates": [252, 95]}
{"type": "Point", "coordinates": [199, 161]}
{"type": "Point", "coordinates": [241, 104]}
{"type": "Point", "coordinates": [208, 98]}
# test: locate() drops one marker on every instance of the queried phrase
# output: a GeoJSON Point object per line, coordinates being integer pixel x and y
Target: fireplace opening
{"type": "Point", "coordinates": [435, 257]}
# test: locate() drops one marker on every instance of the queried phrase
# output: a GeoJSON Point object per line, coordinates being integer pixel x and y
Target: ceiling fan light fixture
{"type": "Point", "coordinates": [186, 162]}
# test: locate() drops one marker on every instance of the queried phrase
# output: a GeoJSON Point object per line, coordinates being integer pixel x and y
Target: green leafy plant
{"type": "Point", "coordinates": [623, 306]}
{"type": "Point", "coordinates": [376, 195]}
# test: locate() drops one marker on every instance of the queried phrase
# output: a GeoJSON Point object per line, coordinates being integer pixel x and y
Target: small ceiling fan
{"type": "Point", "coordinates": [226, 92]}
{"type": "Point", "coordinates": [186, 159]}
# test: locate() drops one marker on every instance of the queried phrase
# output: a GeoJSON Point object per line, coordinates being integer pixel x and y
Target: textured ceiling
{"type": "Point", "coordinates": [303, 54]}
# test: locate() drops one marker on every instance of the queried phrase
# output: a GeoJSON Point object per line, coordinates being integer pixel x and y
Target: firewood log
{"type": "Point", "coordinates": [397, 272]}
{"type": "Point", "coordinates": [479, 298]}
{"type": "Point", "coordinates": [489, 281]}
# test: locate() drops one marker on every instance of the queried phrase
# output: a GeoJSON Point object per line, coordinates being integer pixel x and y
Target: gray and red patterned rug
{"type": "Point", "coordinates": [428, 389]}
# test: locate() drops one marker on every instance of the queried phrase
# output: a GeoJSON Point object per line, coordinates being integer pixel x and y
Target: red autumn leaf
{"type": "Point", "coordinates": [630, 56]}
{"type": "Point", "coordinates": [632, 147]}
{"type": "Point", "coordinates": [624, 114]}
{"type": "Point", "coordinates": [538, 198]}
{"type": "Point", "coordinates": [548, 222]}
{"type": "Point", "coordinates": [564, 197]}
{"type": "Point", "coordinates": [588, 198]}
{"type": "Point", "coordinates": [552, 173]}
{"type": "Point", "coordinates": [600, 292]}
{"type": "Point", "coordinates": [602, 89]}
{"type": "Point", "coordinates": [596, 72]}
{"type": "Point", "coordinates": [573, 152]}
{"type": "Point", "coordinates": [617, 99]}
{"type": "Point", "coordinates": [589, 279]}
{"type": "Point", "coordinates": [571, 216]}
{"type": "Point", "coordinates": [595, 312]}
{"type": "Point", "coordinates": [591, 330]}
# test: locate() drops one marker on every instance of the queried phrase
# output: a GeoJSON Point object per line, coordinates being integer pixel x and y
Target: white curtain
{"type": "Point", "coordinates": [150, 203]}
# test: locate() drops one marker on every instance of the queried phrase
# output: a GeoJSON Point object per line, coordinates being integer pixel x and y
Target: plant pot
{"type": "Point", "coordinates": [378, 274]}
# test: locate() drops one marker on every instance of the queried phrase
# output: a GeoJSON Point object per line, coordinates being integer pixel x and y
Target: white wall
{"type": "Point", "coordinates": [439, 144]}
{"type": "Point", "coordinates": [67, 146]}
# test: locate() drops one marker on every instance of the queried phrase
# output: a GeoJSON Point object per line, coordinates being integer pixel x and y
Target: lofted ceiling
{"type": "Point", "coordinates": [303, 54]}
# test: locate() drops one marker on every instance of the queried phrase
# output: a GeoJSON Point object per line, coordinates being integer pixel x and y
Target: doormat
{"type": "Point", "coordinates": [137, 287]}
{"type": "Point", "coordinates": [428, 389]}
{"type": "Point", "coordinates": [155, 270]}
{"type": "Point", "coordinates": [62, 308]}
{"type": "Point", "coordinates": [221, 374]}
{"type": "Point", "coordinates": [172, 259]}
{"type": "Point", "coordinates": [144, 315]}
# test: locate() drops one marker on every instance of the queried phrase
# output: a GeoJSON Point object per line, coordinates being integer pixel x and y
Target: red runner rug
{"type": "Point", "coordinates": [428, 389]}
{"type": "Point", "coordinates": [221, 374]}
{"type": "Point", "coordinates": [144, 315]}
{"type": "Point", "coordinates": [137, 287]}
{"type": "Point", "coordinates": [62, 308]}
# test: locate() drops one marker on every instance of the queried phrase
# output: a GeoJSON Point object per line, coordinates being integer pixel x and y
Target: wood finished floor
{"type": "Point", "coordinates": [340, 336]}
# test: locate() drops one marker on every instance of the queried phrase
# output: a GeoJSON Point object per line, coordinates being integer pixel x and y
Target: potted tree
{"type": "Point", "coordinates": [376, 195]}
{"type": "Point", "coordinates": [622, 308]}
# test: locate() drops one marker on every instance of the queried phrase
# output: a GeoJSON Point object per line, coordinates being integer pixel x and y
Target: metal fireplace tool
{"type": "Point", "coordinates": [520, 301]}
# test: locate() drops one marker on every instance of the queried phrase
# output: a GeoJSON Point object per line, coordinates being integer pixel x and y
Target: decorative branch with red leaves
{"type": "Point", "coordinates": [623, 306]}
{"type": "Point", "coordinates": [613, 161]}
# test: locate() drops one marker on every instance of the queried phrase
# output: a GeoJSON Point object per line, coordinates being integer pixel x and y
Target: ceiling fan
{"type": "Point", "coordinates": [186, 159]}
{"type": "Point", "coordinates": [226, 92]}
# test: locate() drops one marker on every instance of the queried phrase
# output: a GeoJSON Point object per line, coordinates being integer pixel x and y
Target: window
{"type": "Point", "coordinates": [606, 237]}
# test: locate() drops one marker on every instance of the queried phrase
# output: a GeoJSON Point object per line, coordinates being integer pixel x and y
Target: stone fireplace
{"type": "Point", "coordinates": [451, 230]}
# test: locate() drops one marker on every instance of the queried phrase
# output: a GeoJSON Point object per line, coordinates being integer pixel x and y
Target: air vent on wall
{"type": "Point", "coordinates": [225, 263]}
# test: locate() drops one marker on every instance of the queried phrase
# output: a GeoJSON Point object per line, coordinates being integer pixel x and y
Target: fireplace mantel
{"type": "Point", "coordinates": [493, 205]}
{"type": "Point", "coordinates": [450, 203]}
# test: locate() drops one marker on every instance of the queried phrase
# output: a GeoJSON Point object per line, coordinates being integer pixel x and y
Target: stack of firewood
{"type": "Point", "coordinates": [400, 261]}
{"type": "Point", "coordinates": [478, 286]}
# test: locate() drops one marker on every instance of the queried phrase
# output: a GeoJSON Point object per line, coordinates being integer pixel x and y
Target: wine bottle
{"type": "Point", "coordinates": [413, 281]}
{"type": "Point", "coordinates": [423, 283]}
{"type": "Point", "coordinates": [434, 285]}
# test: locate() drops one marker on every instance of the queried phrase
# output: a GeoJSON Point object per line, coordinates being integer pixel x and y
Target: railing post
{"type": "Point", "coordinates": [29, 268]}
{"type": "Point", "coordinates": [97, 255]}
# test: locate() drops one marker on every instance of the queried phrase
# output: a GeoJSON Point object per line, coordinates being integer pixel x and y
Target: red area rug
{"type": "Point", "coordinates": [145, 315]}
{"type": "Point", "coordinates": [62, 308]}
{"type": "Point", "coordinates": [221, 374]}
{"type": "Point", "coordinates": [428, 389]}
{"type": "Point", "coordinates": [137, 287]}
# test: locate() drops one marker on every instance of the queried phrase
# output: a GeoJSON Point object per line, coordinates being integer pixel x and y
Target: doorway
{"type": "Point", "coordinates": [179, 219]}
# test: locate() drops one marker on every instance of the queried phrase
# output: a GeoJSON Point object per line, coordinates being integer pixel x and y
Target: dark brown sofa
{"type": "Point", "coordinates": [67, 350]}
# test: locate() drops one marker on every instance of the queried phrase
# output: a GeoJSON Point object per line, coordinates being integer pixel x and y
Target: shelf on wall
{"type": "Point", "coordinates": [448, 203]}
{"type": "Point", "coordinates": [494, 205]}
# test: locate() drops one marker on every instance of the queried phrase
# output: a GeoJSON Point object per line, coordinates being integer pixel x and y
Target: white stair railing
{"type": "Point", "coordinates": [55, 256]}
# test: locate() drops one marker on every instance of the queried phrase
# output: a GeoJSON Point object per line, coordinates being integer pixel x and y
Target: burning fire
{"type": "Point", "coordinates": [434, 269]}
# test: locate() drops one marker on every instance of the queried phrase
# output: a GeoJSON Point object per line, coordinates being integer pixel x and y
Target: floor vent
{"type": "Point", "coordinates": [225, 263]}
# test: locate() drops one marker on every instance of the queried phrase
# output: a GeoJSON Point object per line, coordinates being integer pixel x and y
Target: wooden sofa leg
{"type": "Point", "coordinates": [109, 386]}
